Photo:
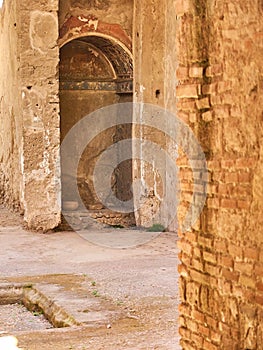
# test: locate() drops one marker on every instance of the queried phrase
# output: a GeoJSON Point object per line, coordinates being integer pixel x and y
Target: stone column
{"type": "Point", "coordinates": [154, 78]}
{"type": "Point", "coordinates": [41, 127]}
{"type": "Point", "coordinates": [10, 106]}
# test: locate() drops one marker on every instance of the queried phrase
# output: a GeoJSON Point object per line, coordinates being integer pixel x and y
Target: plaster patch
{"type": "Point", "coordinates": [34, 101]}
{"type": "Point", "coordinates": [43, 31]}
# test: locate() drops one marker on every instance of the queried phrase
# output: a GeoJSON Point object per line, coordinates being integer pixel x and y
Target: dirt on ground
{"type": "Point", "coordinates": [138, 284]}
{"type": "Point", "coordinates": [16, 317]}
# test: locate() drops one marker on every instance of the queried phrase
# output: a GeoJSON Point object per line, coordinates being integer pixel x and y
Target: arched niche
{"type": "Point", "coordinates": [95, 71]}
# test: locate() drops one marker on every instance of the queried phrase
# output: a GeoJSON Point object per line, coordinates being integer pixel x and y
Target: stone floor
{"type": "Point", "coordinates": [138, 284]}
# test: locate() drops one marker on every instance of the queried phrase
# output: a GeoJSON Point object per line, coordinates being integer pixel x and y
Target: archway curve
{"type": "Point", "coordinates": [64, 41]}
{"type": "Point", "coordinates": [114, 50]}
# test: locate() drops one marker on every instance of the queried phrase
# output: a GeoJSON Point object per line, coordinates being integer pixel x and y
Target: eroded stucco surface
{"type": "Point", "coordinates": [11, 140]}
{"type": "Point", "coordinates": [40, 114]}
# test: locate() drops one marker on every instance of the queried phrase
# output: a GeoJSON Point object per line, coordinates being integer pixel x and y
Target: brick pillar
{"type": "Point", "coordinates": [219, 96]}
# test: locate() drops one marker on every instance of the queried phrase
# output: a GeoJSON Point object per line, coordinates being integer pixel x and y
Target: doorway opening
{"type": "Point", "coordinates": [95, 72]}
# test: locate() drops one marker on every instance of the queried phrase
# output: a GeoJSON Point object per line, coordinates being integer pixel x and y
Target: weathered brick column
{"type": "Point", "coordinates": [220, 97]}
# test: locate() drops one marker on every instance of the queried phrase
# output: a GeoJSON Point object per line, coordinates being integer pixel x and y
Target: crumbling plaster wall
{"type": "Point", "coordinates": [155, 63]}
{"type": "Point", "coordinates": [149, 87]}
{"type": "Point", "coordinates": [41, 133]}
{"type": "Point", "coordinates": [30, 133]}
{"type": "Point", "coordinates": [10, 107]}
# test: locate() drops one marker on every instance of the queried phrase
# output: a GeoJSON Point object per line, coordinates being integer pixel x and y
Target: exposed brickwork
{"type": "Point", "coordinates": [219, 97]}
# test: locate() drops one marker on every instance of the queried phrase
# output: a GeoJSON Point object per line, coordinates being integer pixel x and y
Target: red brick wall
{"type": "Point", "coordinates": [219, 95]}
